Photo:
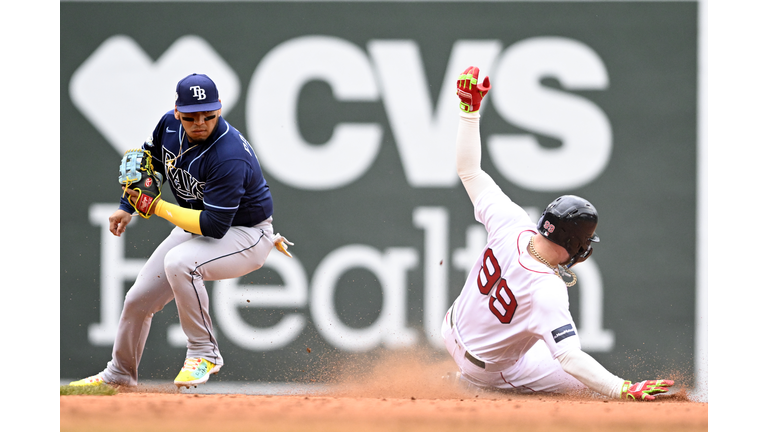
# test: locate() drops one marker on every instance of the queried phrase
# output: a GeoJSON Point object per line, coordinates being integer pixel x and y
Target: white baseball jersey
{"type": "Point", "coordinates": [511, 300]}
{"type": "Point", "coordinates": [510, 328]}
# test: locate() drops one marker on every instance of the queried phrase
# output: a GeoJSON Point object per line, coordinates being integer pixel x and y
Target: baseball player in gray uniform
{"type": "Point", "coordinates": [223, 230]}
{"type": "Point", "coordinates": [510, 327]}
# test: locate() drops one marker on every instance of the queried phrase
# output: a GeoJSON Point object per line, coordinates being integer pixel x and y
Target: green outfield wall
{"type": "Point", "coordinates": [352, 111]}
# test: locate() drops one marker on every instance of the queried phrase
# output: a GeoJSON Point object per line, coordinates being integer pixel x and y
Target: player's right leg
{"type": "Point", "coordinates": [148, 295]}
{"type": "Point", "coordinates": [241, 251]}
{"type": "Point", "coordinates": [537, 371]}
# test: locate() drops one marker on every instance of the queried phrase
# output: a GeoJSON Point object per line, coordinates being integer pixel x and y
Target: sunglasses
{"type": "Point", "coordinates": [191, 119]}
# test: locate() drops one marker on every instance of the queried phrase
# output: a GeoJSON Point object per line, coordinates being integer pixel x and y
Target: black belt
{"type": "Point", "coordinates": [472, 359]}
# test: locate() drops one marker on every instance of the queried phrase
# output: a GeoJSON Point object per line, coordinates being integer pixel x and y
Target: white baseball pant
{"type": "Point", "coordinates": [535, 371]}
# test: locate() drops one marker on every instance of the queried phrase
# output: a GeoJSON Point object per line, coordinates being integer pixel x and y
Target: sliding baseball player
{"type": "Point", "coordinates": [510, 328]}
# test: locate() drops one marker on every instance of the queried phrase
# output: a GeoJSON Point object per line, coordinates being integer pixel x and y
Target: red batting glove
{"type": "Point", "coordinates": [469, 91]}
{"type": "Point", "coordinates": [644, 389]}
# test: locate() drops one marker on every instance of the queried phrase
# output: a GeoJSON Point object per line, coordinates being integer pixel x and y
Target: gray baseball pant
{"type": "Point", "coordinates": [176, 271]}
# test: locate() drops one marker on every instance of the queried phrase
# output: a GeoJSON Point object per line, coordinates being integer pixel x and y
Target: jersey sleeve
{"type": "Point", "coordinates": [496, 211]}
{"type": "Point", "coordinates": [552, 320]}
{"type": "Point", "coordinates": [587, 370]}
{"type": "Point", "coordinates": [468, 155]}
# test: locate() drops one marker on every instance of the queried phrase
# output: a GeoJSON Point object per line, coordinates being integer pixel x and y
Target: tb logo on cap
{"type": "Point", "coordinates": [198, 92]}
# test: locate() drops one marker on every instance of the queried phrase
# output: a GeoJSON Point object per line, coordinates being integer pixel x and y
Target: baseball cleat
{"type": "Point", "coordinates": [95, 380]}
{"type": "Point", "coordinates": [195, 371]}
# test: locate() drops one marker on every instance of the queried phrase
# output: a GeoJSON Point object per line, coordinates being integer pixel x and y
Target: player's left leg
{"type": "Point", "coordinates": [148, 295]}
{"type": "Point", "coordinates": [456, 379]}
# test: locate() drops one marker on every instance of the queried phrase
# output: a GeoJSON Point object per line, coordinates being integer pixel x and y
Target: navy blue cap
{"type": "Point", "coordinates": [196, 93]}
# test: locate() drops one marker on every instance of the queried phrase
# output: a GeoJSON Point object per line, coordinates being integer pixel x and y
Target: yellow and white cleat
{"type": "Point", "coordinates": [95, 380]}
{"type": "Point", "coordinates": [195, 371]}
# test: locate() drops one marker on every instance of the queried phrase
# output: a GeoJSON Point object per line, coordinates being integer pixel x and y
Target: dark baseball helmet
{"type": "Point", "coordinates": [570, 222]}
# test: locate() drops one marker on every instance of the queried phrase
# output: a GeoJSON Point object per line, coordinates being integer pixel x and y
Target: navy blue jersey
{"type": "Point", "coordinates": [221, 176]}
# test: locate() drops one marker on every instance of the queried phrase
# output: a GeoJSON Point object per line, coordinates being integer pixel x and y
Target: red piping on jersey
{"type": "Point", "coordinates": [516, 387]}
{"type": "Point", "coordinates": [520, 254]}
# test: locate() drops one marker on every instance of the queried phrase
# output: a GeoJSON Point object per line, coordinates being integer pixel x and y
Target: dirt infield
{"type": "Point", "coordinates": [401, 395]}
{"type": "Point", "coordinates": [176, 412]}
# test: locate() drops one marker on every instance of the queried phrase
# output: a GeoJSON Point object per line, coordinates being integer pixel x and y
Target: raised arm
{"type": "Point", "coordinates": [468, 148]}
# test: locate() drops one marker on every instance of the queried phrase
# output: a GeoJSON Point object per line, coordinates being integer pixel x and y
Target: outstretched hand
{"type": "Point", "coordinates": [469, 91]}
{"type": "Point", "coordinates": [644, 390]}
{"type": "Point", "coordinates": [119, 221]}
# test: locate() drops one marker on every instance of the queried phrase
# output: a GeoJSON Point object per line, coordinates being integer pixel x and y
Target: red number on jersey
{"type": "Point", "coordinates": [507, 301]}
{"type": "Point", "coordinates": [489, 274]}
{"type": "Point", "coordinates": [487, 277]}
